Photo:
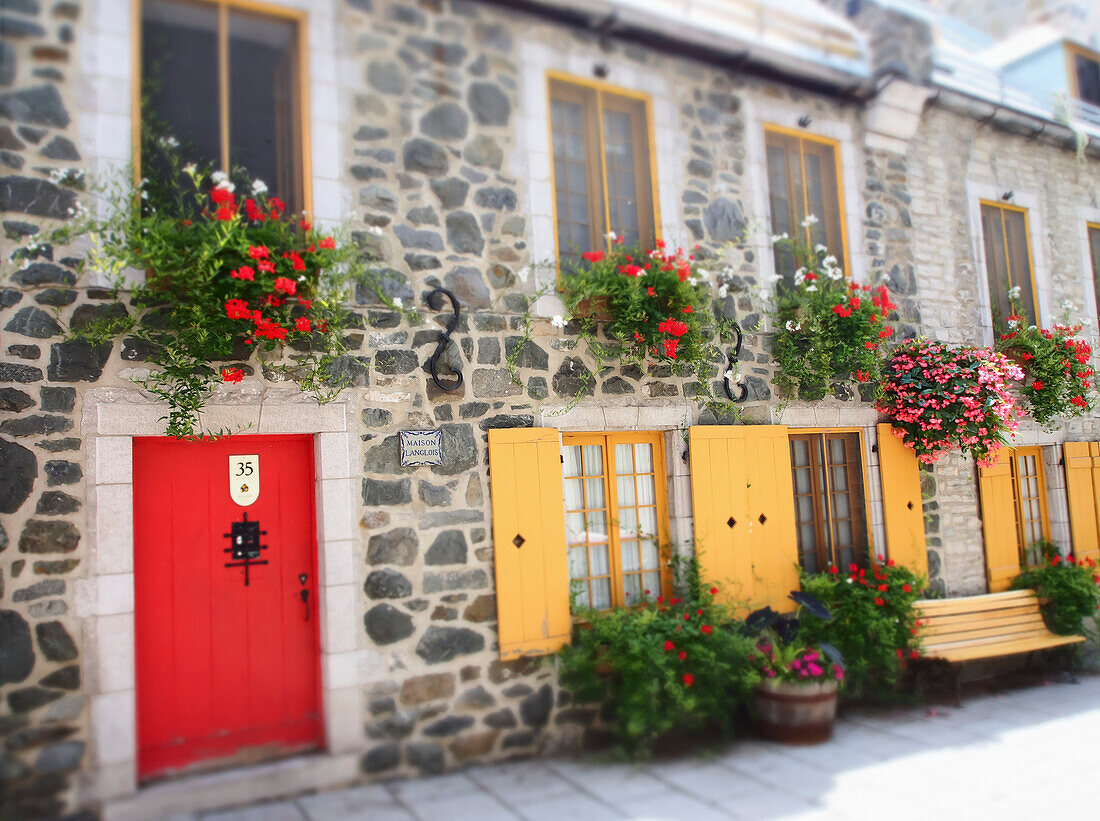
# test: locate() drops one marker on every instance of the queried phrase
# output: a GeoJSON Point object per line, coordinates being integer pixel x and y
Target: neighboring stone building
{"type": "Point", "coordinates": [431, 121]}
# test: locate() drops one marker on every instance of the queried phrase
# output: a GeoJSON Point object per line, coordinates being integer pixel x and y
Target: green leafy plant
{"type": "Point", "coordinates": [1056, 365]}
{"type": "Point", "coordinates": [673, 665]}
{"type": "Point", "coordinates": [1070, 590]}
{"type": "Point", "coordinates": [826, 326]}
{"type": "Point", "coordinates": [650, 304]}
{"type": "Point", "coordinates": [225, 275]}
{"type": "Point", "coordinates": [874, 622]}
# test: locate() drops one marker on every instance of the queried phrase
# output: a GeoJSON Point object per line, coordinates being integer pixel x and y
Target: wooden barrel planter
{"type": "Point", "coordinates": [796, 713]}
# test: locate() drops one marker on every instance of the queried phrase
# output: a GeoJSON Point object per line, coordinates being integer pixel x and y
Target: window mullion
{"type": "Point", "coordinates": [614, 546]}
{"type": "Point", "coordinates": [805, 194]}
{"type": "Point", "coordinates": [603, 169]}
{"type": "Point", "coordinates": [830, 542]}
{"type": "Point", "coordinates": [1008, 258]}
{"type": "Point", "coordinates": [223, 80]}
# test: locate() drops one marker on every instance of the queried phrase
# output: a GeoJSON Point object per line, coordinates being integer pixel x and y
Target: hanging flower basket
{"type": "Point", "coordinates": [1057, 367]}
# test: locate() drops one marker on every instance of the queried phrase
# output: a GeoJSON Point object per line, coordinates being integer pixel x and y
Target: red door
{"type": "Point", "coordinates": [227, 672]}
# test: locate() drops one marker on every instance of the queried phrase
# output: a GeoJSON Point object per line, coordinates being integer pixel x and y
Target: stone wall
{"type": "Point", "coordinates": [434, 142]}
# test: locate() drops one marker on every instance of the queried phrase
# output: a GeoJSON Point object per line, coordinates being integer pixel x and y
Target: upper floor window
{"type": "Point", "coordinates": [222, 84]}
{"type": "Point", "coordinates": [602, 154]}
{"type": "Point", "coordinates": [616, 518]}
{"type": "Point", "coordinates": [829, 502]}
{"type": "Point", "coordinates": [1008, 261]}
{"type": "Point", "coordinates": [804, 181]}
{"type": "Point", "coordinates": [1084, 73]}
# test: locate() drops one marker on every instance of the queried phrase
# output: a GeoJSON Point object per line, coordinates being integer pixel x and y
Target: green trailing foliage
{"type": "Point", "coordinates": [1069, 589]}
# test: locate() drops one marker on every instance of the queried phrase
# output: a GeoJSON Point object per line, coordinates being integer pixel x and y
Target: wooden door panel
{"type": "Point", "coordinates": [225, 672]}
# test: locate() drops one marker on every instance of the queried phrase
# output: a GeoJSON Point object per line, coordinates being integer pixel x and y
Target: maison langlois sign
{"type": "Point", "coordinates": [421, 447]}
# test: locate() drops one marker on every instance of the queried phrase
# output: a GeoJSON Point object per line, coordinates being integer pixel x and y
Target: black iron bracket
{"type": "Point", "coordinates": [431, 299]}
{"type": "Point", "coordinates": [727, 377]}
{"type": "Point", "coordinates": [244, 545]}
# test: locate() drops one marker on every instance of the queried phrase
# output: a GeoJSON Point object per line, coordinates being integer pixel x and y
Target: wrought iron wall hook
{"type": "Point", "coordinates": [432, 299]}
{"type": "Point", "coordinates": [731, 369]}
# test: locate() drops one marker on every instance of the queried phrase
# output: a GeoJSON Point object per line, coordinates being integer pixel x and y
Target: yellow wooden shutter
{"type": "Point", "coordinates": [529, 541]}
{"type": "Point", "coordinates": [901, 502]}
{"type": "Point", "coordinates": [1082, 461]}
{"type": "Point", "coordinates": [743, 505]}
{"type": "Point", "coordinates": [1002, 552]}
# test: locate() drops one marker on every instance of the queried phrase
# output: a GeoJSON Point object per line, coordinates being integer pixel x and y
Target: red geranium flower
{"type": "Point", "coordinates": [245, 273]}
{"type": "Point", "coordinates": [669, 646]}
{"type": "Point", "coordinates": [593, 256]}
{"type": "Point", "coordinates": [232, 374]}
{"type": "Point", "coordinates": [689, 679]}
{"type": "Point", "coordinates": [258, 252]}
{"type": "Point", "coordinates": [683, 655]}
{"type": "Point", "coordinates": [707, 629]}
{"type": "Point", "coordinates": [302, 324]}
{"type": "Point", "coordinates": [287, 286]}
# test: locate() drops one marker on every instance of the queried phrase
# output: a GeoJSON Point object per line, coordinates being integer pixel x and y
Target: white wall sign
{"type": "Point", "coordinates": [244, 479]}
{"type": "Point", "coordinates": [421, 447]}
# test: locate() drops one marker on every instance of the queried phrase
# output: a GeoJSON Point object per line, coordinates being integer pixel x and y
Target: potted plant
{"type": "Point", "coordinates": [1056, 365]}
{"type": "Point", "coordinates": [653, 304]}
{"type": "Point", "coordinates": [940, 397]}
{"type": "Point", "coordinates": [795, 699]}
{"type": "Point", "coordinates": [826, 326]}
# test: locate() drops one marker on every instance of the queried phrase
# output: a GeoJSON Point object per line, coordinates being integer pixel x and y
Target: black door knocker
{"type": "Point", "coordinates": [244, 545]}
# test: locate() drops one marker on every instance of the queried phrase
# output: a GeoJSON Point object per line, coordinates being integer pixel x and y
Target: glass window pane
{"type": "Point", "coordinates": [652, 584]}
{"type": "Point", "coordinates": [628, 522]}
{"type": "Point", "coordinates": [841, 506]}
{"type": "Point", "coordinates": [264, 106]}
{"type": "Point", "coordinates": [597, 526]}
{"type": "Point", "coordinates": [593, 460]}
{"type": "Point", "coordinates": [647, 521]}
{"type": "Point", "coordinates": [843, 533]}
{"type": "Point", "coordinates": [625, 489]}
{"type": "Point", "coordinates": [643, 458]}
{"type": "Point", "coordinates": [575, 531]}
{"type": "Point", "coordinates": [650, 555]}
{"type": "Point", "coordinates": [578, 562]}
{"type": "Point", "coordinates": [599, 557]}
{"type": "Point", "coordinates": [631, 560]}
{"type": "Point", "coordinates": [180, 87]}
{"type": "Point", "coordinates": [574, 494]}
{"type": "Point", "coordinates": [647, 490]}
{"type": "Point", "coordinates": [624, 459]}
{"type": "Point", "coordinates": [572, 454]}
{"type": "Point", "coordinates": [632, 590]}
{"type": "Point", "coordinates": [595, 496]}
{"type": "Point", "coordinates": [601, 594]}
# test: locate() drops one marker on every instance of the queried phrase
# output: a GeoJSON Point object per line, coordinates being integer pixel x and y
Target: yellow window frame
{"type": "Point", "coordinates": [1072, 51]}
{"type": "Point", "coordinates": [1004, 206]}
{"type": "Point", "coordinates": [1036, 452]}
{"type": "Point", "coordinates": [1094, 259]}
{"type": "Point", "coordinates": [607, 441]}
{"type": "Point", "coordinates": [862, 433]}
{"type": "Point", "coordinates": [602, 88]}
{"type": "Point", "coordinates": [802, 136]}
{"type": "Point", "coordinates": [300, 18]}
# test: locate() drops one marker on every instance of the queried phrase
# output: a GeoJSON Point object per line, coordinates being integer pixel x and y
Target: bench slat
{"type": "Point", "coordinates": [1011, 648]}
{"type": "Point", "coordinates": [987, 637]}
{"type": "Point", "coordinates": [982, 632]}
{"type": "Point", "coordinates": [962, 625]}
{"type": "Point", "coordinates": [975, 604]}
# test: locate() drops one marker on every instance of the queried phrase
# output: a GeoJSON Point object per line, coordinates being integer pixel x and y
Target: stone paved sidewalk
{"type": "Point", "coordinates": [1022, 754]}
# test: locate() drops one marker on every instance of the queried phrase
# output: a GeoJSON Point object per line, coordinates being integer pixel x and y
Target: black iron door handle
{"type": "Point", "coordinates": [305, 600]}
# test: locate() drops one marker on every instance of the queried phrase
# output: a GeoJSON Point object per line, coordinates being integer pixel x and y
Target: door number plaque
{"type": "Point", "coordinates": [244, 479]}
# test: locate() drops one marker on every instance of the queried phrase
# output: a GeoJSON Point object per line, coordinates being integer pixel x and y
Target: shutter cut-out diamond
{"type": "Point", "coordinates": [731, 521]}
{"type": "Point", "coordinates": [763, 518]}
{"type": "Point", "coordinates": [910, 505]}
{"type": "Point", "coordinates": [518, 541]}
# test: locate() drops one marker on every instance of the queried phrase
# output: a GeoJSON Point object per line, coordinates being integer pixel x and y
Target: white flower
{"type": "Point", "coordinates": [834, 273]}
{"type": "Point", "coordinates": [558, 321]}
{"type": "Point", "coordinates": [730, 376]}
{"type": "Point", "coordinates": [793, 326]}
{"type": "Point", "coordinates": [374, 230]}
{"type": "Point", "coordinates": [799, 276]}
{"type": "Point", "coordinates": [763, 293]}
{"type": "Point", "coordinates": [219, 177]}
{"type": "Point", "coordinates": [812, 288]}
{"type": "Point", "coordinates": [775, 277]}
{"type": "Point", "coordinates": [779, 237]}
{"type": "Point", "coordinates": [702, 272]}
{"type": "Point", "coordinates": [259, 187]}
{"type": "Point", "coordinates": [524, 273]}
{"type": "Point", "coordinates": [226, 185]}
{"type": "Point", "coordinates": [1014, 292]}
{"type": "Point", "coordinates": [611, 235]}
{"type": "Point", "coordinates": [398, 302]}
{"type": "Point", "coordinates": [189, 169]}
{"type": "Point", "coordinates": [302, 278]}
{"type": "Point", "coordinates": [1013, 324]}
{"type": "Point", "coordinates": [810, 220]}
{"type": "Point", "coordinates": [1068, 305]}
{"type": "Point", "coordinates": [820, 249]}
{"type": "Point", "coordinates": [723, 291]}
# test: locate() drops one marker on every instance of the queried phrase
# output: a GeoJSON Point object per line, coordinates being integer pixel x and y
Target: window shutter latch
{"type": "Point", "coordinates": [518, 541]}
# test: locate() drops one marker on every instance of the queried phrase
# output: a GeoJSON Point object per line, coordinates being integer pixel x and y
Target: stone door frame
{"type": "Point", "coordinates": [105, 603]}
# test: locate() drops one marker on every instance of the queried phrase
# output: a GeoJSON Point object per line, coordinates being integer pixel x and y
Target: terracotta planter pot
{"type": "Point", "coordinates": [596, 308]}
{"type": "Point", "coordinates": [796, 713]}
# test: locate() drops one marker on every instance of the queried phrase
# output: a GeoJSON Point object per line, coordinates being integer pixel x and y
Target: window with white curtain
{"type": "Point", "coordinates": [616, 518]}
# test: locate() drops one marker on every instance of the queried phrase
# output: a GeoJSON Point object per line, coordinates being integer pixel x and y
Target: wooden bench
{"type": "Point", "coordinates": [981, 627]}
